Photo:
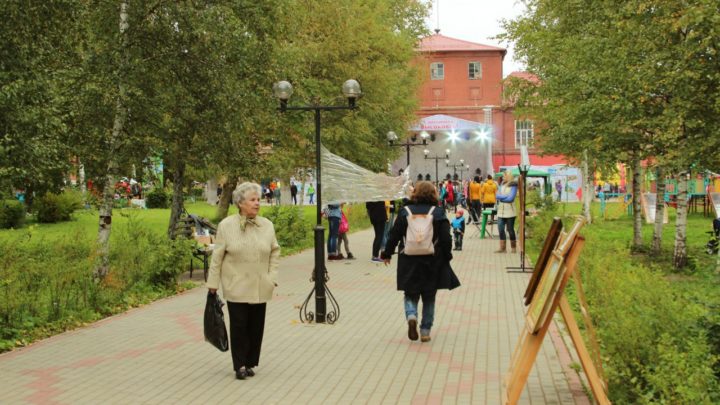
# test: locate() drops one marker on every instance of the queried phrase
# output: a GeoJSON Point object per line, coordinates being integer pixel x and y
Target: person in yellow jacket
{"type": "Point", "coordinates": [475, 191]}
{"type": "Point", "coordinates": [487, 193]}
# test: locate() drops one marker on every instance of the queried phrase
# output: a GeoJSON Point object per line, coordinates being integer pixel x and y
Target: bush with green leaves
{"type": "Point", "coordinates": [12, 214]}
{"type": "Point", "coordinates": [157, 198]}
{"type": "Point", "coordinates": [52, 208]}
{"type": "Point", "coordinates": [46, 288]}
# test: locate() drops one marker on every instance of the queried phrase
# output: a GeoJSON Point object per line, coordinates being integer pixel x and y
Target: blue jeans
{"type": "Point", "coordinates": [311, 198]}
{"type": "Point", "coordinates": [333, 234]}
{"type": "Point", "coordinates": [428, 310]}
{"type": "Point", "coordinates": [510, 223]}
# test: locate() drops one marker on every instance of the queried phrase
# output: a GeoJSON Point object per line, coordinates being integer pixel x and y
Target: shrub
{"type": "Point", "coordinates": [12, 214]}
{"type": "Point", "coordinates": [52, 208]}
{"type": "Point", "coordinates": [157, 198]}
{"type": "Point", "coordinates": [292, 230]}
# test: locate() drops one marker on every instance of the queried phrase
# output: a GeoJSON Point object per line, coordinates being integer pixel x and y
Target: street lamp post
{"type": "Point", "coordinates": [523, 168]}
{"type": "Point", "coordinates": [392, 138]}
{"type": "Point", "coordinates": [463, 170]}
{"type": "Point", "coordinates": [283, 90]}
{"type": "Point", "coordinates": [437, 159]}
{"type": "Point", "coordinates": [456, 166]}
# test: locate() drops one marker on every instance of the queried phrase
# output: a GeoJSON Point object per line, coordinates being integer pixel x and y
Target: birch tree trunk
{"type": "Point", "coordinates": [637, 215]}
{"type": "Point", "coordinates": [680, 254]}
{"type": "Point", "coordinates": [226, 197]}
{"type": "Point", "coordinates": [177, 206]}
{"type": "Point", "coordinates": [81, 177]}
{"type": "Point", "coordinates": [105, 221]}
{"type": "Point", "coordinates": [659, 210]}
{"type": "Point", "coordinates": [588, 192]}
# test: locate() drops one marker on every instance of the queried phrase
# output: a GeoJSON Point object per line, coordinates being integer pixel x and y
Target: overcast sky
{"type": "Point", "coordinates": [477, 21]}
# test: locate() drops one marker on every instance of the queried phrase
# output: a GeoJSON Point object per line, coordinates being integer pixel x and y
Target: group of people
{"type": "Point", "coordinates": [246, 256]}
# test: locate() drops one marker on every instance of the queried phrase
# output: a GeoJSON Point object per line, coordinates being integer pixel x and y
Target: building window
{"type": "Point", "coordinates": [437, 71]}
{"type": "Point", "coordinates": [523, 133]}
{"type": "Point", "coordinates": [474, 71]}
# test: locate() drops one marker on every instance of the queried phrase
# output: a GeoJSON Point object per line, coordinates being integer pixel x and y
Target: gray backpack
{"type": "Point", "coordinates": [419, 234]}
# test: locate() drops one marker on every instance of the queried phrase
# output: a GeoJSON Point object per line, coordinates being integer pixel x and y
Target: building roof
{"type": "Point", "coordinates": [441, 43]}
{"type": "Point", "coordinates": [525, 76]}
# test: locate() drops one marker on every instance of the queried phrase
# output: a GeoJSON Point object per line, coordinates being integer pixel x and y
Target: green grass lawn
{"type": "Point", "coordinates": [85, 222]}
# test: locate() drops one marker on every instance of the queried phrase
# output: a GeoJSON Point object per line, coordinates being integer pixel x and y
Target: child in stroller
{"type": "Point", "coordinates": [712, 246]}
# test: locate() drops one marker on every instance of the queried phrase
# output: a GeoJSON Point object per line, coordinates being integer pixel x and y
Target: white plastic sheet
{"type": "Point", "coordinates": [344, 181]}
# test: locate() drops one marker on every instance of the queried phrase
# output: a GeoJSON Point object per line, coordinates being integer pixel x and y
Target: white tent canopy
{"type": "Point", "coordinates": [344, 181]}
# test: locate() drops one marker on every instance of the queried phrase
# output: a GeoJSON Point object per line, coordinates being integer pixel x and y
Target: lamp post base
{"type": "Point", "coordinates": [322, 293]}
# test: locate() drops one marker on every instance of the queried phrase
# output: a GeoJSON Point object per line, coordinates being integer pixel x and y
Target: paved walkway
{"type": "Point", "coordinates": [156, 354]}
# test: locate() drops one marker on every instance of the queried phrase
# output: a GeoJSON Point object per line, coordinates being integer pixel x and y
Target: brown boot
{"type": "Point", "coordinates": [503, 247]}
{"type": "Point", "coordinates": [513, 246]}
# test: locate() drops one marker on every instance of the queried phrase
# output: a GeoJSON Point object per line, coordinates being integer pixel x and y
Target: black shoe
{"type": "Point", "coordinates": [241, 374]}
{"type": "Point", "coordinates": [250, 372]}
{"type": "Point", "coordinates": [412, 329]}
{"type": "Point", "coordinates": [350, 256]}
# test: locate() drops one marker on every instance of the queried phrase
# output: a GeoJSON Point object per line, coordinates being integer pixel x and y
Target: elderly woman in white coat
{"type": "Point", "coordinates": [244, 263]}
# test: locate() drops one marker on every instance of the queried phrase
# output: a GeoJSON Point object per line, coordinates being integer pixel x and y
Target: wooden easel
{"type": "Point", "coordinates": [529, 345]}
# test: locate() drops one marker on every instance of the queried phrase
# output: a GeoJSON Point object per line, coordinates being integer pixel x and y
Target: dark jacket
{"type": "Point", "coordinates": [376, 211]}
{"type": "Point", "coordinates": [417, 274]}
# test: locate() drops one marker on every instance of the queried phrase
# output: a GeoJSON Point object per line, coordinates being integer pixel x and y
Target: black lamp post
{"type": "Point", "coordinates": [437, 159]}
{"type": "Point", "coordinates": [283, 90]}
{"type": "Point", "coordinates": [463, 170]}
{"type": "Point", "coordinates": [456, 166]}
{"type": "Point", "coordinates": [523, 168]}
{"type": "Point", "coordinates": [392, 138]}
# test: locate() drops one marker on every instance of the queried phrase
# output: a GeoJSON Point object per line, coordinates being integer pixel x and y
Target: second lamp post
{"type": "Point", "coordinates": [283, 90]}
{"type": "Point", "coordinates": [437, 159]}
{"type": "Point", "coordinates": [392, 138]}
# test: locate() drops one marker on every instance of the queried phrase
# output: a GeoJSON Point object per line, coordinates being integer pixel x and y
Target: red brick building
{"type": "Point", "coordinates": [462, 107]}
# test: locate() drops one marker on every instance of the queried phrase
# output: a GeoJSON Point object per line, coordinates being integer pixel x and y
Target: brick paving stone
{"type": "Point", "coordinates": [156, 354]}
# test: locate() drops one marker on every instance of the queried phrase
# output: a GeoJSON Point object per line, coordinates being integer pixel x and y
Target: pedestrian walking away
{"type": "Point", "coordinates": [419, 276]}
{"type": "Point", "coordinates": [506, 212]}
{"type": "Point", "coordinates": [244, 264]}
{"type": "Point", "coordinates": [293, 193]}
{"type": "Point", "coordinates": [311, 193]}
{"type": "Point", "coordinates": [487, 195]}
{"type": "Point", "coordinates": [475, 202]}
{"type": "Point", "coordinates": [333, 215]}
{"type": "Point", "coordinates": [378, 218]}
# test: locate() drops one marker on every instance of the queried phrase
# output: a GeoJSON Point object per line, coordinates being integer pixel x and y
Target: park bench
{"type": "Point", "coordinates": [201, 230]}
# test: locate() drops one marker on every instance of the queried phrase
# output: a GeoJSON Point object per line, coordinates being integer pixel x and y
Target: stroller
{"type": "Point", "coordinates": [712, 246]}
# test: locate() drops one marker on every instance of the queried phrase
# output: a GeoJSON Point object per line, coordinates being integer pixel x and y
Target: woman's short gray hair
{"type": "Point", "coordinates": [242, 191]}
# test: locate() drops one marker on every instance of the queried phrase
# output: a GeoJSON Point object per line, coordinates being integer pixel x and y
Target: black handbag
{"type": "Point", "coordinates": [214, 329]}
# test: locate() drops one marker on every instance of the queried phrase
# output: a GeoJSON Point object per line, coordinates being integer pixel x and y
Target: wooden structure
{"type": "Point", "coordinates": [547, 288]}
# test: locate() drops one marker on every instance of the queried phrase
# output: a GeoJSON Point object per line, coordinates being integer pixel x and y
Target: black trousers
{"type": "Point", "coordinates": [379, 228]}
{"type": "Point", "coordinates": [247, 324]}
{"type": "Point", "coordinates": [475, 210]}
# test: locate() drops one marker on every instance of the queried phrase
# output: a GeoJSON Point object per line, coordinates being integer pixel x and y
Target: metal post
{"type": "Point", "coordinates": [407, 147]}
{"type": "Point", "coordinates": [319, 232]}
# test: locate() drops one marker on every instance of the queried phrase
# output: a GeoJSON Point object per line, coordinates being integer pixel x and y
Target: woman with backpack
{"type": "Point", "coordinates": [422, 232]}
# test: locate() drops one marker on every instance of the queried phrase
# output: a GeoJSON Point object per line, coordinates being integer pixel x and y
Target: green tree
{"type": "Point", "coordinates": [37, 55]}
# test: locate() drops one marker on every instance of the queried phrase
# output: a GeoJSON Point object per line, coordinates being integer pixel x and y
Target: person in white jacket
{"type": "Point", "coordinates": [244, 262]}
